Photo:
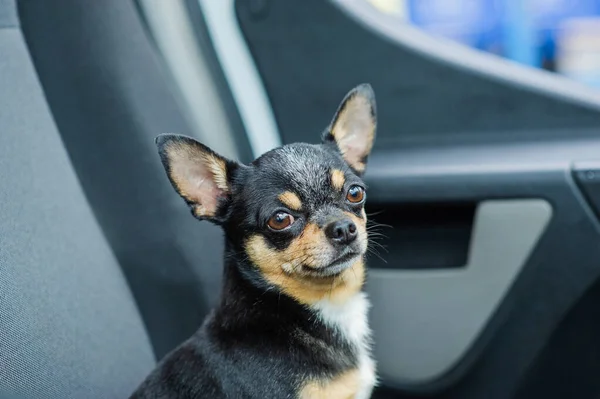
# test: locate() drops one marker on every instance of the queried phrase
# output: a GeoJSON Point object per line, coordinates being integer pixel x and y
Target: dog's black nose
{"type": "Point", "coordinates": [341, 232]}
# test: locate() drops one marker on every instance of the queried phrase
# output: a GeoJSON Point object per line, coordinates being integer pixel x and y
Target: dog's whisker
{"type": "Point", "coordinates": [379, 256]}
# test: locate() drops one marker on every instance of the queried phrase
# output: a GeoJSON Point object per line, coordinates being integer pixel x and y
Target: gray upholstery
{"type": "Point", "coordinates": [102, 268]}
{"type": "Point", "coordinates": [69, 326]}
{"type": "Point", "coordinates": [110, 96]}
{"type": "Point", "coordinates": [8, 14]}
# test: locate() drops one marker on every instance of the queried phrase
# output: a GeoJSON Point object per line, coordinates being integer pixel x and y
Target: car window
{"type": "Point", "coordinates": [561, 36]}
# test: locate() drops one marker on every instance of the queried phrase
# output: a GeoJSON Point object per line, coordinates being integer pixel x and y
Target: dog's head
{"type": "Point", "coordinates": [295, 216]}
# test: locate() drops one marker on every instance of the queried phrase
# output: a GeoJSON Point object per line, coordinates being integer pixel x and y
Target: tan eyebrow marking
{"type": "Point", "coordinates": [290, 200]}
{"type": "Point", "coordinates": [337, 179]}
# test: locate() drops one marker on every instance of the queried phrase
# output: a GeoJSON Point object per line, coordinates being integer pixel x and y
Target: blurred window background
{"type": "Point", "coordinates": [561, 36]}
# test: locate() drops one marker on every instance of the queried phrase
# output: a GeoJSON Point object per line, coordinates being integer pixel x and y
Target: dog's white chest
{"type": "Point", "coordinates": [350, 318]}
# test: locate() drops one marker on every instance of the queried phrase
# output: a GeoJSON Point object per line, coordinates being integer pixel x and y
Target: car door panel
{"type": "Point", "coordinates": [533, 304]}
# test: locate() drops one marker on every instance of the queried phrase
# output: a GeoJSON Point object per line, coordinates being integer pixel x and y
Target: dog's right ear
{"type": "Point", "coordinates": [201, 176]}
{"type": "Point", "coordinates": [353, 127]}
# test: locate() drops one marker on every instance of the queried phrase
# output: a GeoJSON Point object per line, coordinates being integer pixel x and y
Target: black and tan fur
{"type": "Point", "coordinates": [291, 321]}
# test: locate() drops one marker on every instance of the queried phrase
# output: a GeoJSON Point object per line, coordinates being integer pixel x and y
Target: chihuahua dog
{"type": "Point", "coordinates": [292, 318]}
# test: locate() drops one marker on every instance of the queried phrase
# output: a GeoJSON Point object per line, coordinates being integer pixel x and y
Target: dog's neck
{"type": "Point", "coordinates": [244, 299]}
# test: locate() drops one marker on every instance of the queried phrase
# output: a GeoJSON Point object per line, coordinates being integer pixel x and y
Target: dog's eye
{"type": "Point", "coordinates": [280, 221]}
{"type": "Point", "coordinates": [355, 194]}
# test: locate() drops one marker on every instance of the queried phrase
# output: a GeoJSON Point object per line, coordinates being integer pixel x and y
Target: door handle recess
{"type": "Point", "coordinates": [425, 321]}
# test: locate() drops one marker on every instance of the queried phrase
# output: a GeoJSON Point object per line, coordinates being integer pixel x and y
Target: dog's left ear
{"type": "Point", "coordinates": [353, 127]}
{"type": "Point", "coordinates": [201, 176]}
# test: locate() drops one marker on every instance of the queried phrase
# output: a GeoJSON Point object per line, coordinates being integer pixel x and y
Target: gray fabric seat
{"type": "Point", "coordinates": [110, 100]}
{"type": "Point", "coordinates": [102, 268]}
{"type": "Point", "coordinates": [69, 325]}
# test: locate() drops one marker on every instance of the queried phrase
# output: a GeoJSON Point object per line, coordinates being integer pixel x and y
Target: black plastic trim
{"type": "Point", "coordinates": [311, 54]}
{"type": "Point", "coordinates": [587, 176]}
{"type": "Point", "coordinates": [417, 236]}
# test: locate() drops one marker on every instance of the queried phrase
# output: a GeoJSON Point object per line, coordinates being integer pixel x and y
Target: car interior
{"type": "Point", "coordinates": [485, 176]}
